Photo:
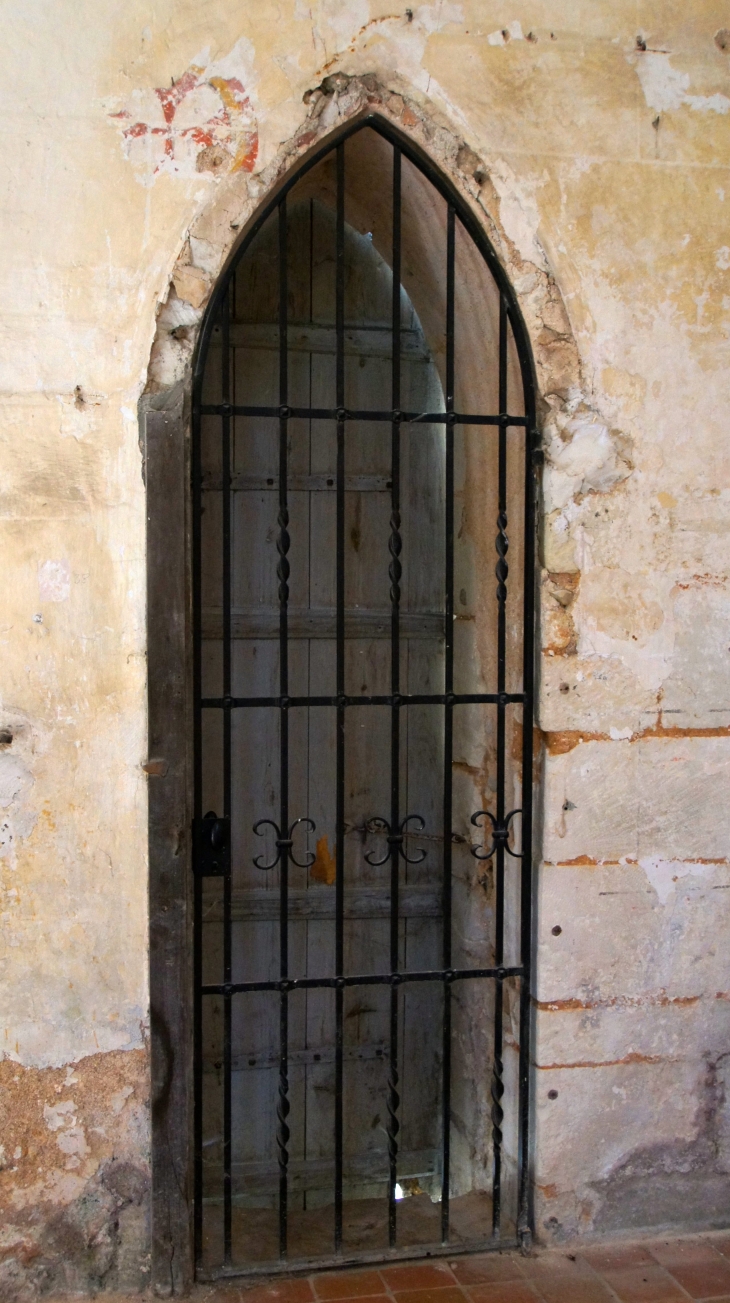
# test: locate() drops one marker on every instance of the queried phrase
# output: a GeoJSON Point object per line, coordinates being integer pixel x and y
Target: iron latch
{"type": "Point", "coordinates": [212, 845]}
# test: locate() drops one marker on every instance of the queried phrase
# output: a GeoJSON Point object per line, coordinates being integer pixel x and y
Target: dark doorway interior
{"type": "Point", "coordinates": [363, 675]}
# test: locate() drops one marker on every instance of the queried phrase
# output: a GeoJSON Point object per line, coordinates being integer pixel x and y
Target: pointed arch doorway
{"type": "Point", "coordinates": [363, 524]}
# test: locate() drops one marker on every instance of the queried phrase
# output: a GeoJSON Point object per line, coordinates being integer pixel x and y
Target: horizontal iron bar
{"type": "Point", "coordinates": [415, 699]}
{"type": "Point", "coordinates": [362, 979]}
{"type": "Point", "coordinates": [345, 414]}
{"type": "Point", "coordinates": [303, 1266]}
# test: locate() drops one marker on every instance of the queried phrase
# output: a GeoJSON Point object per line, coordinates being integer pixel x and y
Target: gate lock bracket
{"type": "Point", "coordinates": [212, 845]}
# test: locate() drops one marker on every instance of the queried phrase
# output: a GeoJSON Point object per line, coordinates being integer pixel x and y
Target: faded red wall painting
{"type": "Point", "coordinates": [203, 122]}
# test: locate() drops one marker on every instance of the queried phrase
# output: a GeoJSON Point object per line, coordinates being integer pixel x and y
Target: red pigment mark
{"type": "Point", "coordinates": [201, 136]}
{"type": "Point", "coordinates": [233, 127]}
{"type": "Point", "coordinates": [171, 97]}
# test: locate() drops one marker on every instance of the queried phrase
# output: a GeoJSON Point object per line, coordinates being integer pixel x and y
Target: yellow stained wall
{"type": "Point", "coordinates": [136, 139]}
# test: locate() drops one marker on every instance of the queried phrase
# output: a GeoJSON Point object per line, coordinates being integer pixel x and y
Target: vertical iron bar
{"type": "Point", "coordinates": [340, 671]}
{"type": "Point", "coordinates": [448, 717]}
{"type": "Point", "coordinates": [282, 570]}
{"type": "Point", "coordinates": [227, 812]}
{"type": "Point", "coordinates": [528, 671]}
{"type": "Point", "coordinates": [501, 573]}
{"type": "Point", "coordinates": [197, 814]}
{"type": "Point", "coordinates": [395, 570]}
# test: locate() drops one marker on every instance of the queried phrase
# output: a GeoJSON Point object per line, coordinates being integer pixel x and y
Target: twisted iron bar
{"type": "Point", "coordinates": [282, 546]}
{"type": "Point", "coordinates": [395, 569]}
{"type": "Point", "coordinates": [497, 1092]}
{"type": "Point", "coordinates": [501, 569]}
{"type": "Point", "coordinates": [284, 844]}
{"type": "Point", "coordinates": [382, 826]}
{"type": "Point", "coordinates": [500, 834]}
{"type": "Point", "coordinates": [393, 1127]}
{"type": "Point", "coordinates": [282, 1112]}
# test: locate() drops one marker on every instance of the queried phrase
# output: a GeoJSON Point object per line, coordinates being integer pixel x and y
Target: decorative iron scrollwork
{"type": "Point", "coordinates": [500, 835]}
{"type": "Point", "coordinates": [284, 844]}
{"type": "Point", "coordinates": [382, 827]}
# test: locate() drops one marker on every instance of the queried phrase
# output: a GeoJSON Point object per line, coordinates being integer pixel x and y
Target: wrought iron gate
{"type": "Point", "coordinates": [363, 425]}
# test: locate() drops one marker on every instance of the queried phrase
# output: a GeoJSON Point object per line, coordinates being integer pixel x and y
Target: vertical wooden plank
{"type": "Point", "coordinates": [165, 458]}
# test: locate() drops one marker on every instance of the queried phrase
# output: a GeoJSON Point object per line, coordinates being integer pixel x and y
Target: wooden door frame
{"type": "Point", "coordinates": [165, 442]}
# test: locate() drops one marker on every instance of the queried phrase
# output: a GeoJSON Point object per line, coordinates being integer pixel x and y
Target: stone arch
{"type": "Point", "coordinates": [582, 453]}
{"type": "Point", "coordinates": [217, 231]}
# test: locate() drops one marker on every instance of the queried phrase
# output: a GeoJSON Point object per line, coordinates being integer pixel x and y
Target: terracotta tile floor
{"type": "Point", "coordinates": [648, 1271]}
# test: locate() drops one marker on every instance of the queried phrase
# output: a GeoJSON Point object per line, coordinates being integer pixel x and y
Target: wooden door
{"type": "Point", "coordinates": [256, 733]}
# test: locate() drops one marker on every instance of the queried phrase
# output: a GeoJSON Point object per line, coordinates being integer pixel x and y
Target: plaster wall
{"type": "Point", "coordinates": [593, 140]}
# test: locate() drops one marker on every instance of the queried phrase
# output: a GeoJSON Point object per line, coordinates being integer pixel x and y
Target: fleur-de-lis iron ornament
{"type": "Point", "coordinates": [382, 827]}
{"type": "Point", "coordinates": [284, 844]}
{"type": "Point", "coordinates": [500, 834]}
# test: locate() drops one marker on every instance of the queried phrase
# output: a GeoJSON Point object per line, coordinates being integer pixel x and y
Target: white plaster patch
{"type": "Point", "coordinates": [722, 258]}
{"type": "Point", "coordinates": [204, 122]}
{"type": "Point", "coordinates": [708, 103]}
{"type": "Point", "coordinates": [342, 19]}
{"type": "Point", "coordinates": [666, 88]}
{"type": "Point", "coordinates": [581, 456]}
{"type": "Point", "coordinates": [15, 779]}
{"type": "Point", "coordinates": [664, 874]}
{"type": "Point", "coordinates": [172, 352]}
{"type": "Point", "coordinates": [402, 47]}
{"type": "Point", "coordinates": [433, 18]}
{"type": "Point", "coordinates": [71, 1138]}
{"type": "Point", "coordinates": [519, 212]}
{"type": "Point", "coordinates": [59, 1115]}
{"type": "Point", "coordinates": [54, 581]}
{"type": "Point", "coordinates": [205, 255]}
{"type": "Point", "coordinates": [73, 1143]}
